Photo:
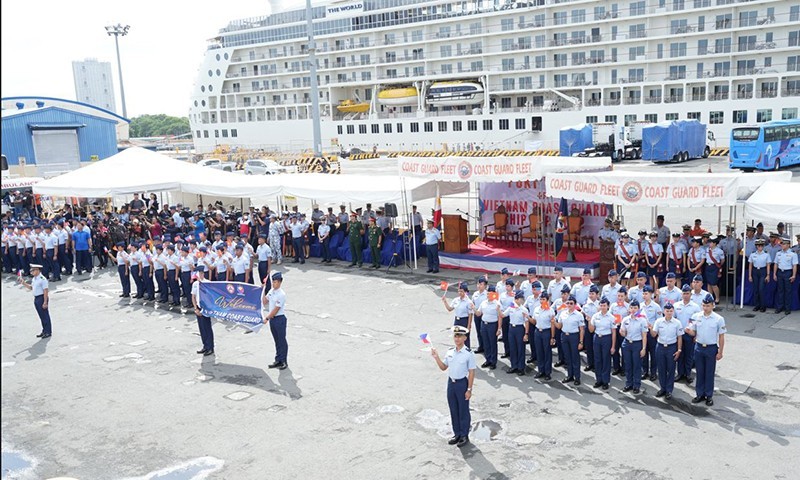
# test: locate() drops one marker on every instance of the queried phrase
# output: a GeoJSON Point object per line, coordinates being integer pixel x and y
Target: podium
{"type": "Point", "coordinates": [607, 259]}
{"type": "Point", "coordinates": [455, 234]}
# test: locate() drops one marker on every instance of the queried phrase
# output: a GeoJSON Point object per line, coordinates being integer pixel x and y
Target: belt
{"type": "Point", "coordinates": [456, 380]}
{"type": "Point", "coordinates": [666, 344]}
{"type": "Point", "coordinates": [520, 325]}
{"type": "Point", "coordinates": [784, 269]}
{"type": "Point", "coordinates": [543, 329]}
{"type": "Point", "coordinates": [704, 345]}
{"type": "Point", "coordinates": [759, 268]}
{"type": "Point", "coordinates": [601, 335]}
{"type": "Point", "coordinates": [569, 333]}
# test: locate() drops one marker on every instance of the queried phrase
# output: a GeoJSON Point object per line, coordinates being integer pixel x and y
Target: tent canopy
{"type": "Point", "coordinates": [133, 170]}
{"type": "Point", "coordinates": [660, 188]}
{"type": "Point", "coordinates": [20, 182]}
{"type": "Point", "coordinates": [775, 202]}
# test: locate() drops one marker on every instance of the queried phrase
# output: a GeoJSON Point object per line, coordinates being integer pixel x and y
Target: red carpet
{"type": "Point", "coordinates": [527, 252]}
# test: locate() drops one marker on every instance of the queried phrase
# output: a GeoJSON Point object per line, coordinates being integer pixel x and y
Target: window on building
{"type": "Point", "coordinates": [414, 127]}
{"type": "Point", "coordinates": [234, 133]}
{"type": "Point", "coordinates": [789, 113]}
{"type": "Point", "coordinates": [216, 133]}
{"type": "Point", "coordinates": [591, 119]}
{"type": "Point", "coordinates": [503, 124]}
{"type": "Point", "coordinates": [740, 116]}
{"type": "Point", "coordinates": [651, 117]}
{"type": "Point", "coordinates": [519, 124]}
{"type": "Point", "coordinates": [376, 128]}
{"type": "Point", "coordinates": [457, 126]}
{"type": "Point", "coordinates": [224, 133]}
{"type": "Point", "coordinates": [671, 116]}
{"type": "Point", "coordinates": [362, 129]}
{"type": "Point", "coordinates": [399, 128]}
{"type": "Point", "coordinates": [205, 133]}
{"type": "Point", "coordinates": [693, 115]}
{"type": "Point", "coordinates": [764, 115]}
{"type": "Point", "coordinates": [629, 119]}
{"type": "Point", "coordinates": [472, 125]}
{"type": "Point", "coordinates": [487, 125]}
{"type": "Point", "coordinates": [197, 134]}
{"type": "Point", "coordinates": [339, 129]}
{"type": "Point", "coordinates": [428, 126]}
{"type": "Point", "coordinates": [442, 126]}
{"type": "Point", "coordinates": [387, 128]}
{"type": "Point", "coordinates": [351, 129]}
{"type": "Point", "coordinates": [716, 118]}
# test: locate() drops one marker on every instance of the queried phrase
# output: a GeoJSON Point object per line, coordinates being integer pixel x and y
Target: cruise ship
{"type": "Point", "coordinates": [401, 75]}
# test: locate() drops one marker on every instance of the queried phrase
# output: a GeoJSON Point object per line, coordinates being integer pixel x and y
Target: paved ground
{"type": "Point", "coordinates": [118, 392]}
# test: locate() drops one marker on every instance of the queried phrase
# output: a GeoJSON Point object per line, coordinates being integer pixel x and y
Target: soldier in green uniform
{"type": "Point", "coordinates": [355, 229]}
{"type": "Point", "coordinates": [375, 238]}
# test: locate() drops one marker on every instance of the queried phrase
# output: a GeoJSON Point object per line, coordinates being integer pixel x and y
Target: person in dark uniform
{"type": "Point", "coordinates": [758, 273]}
{"type": "Point", "coordinates": [41, 298]}
{"type": "Point", "coordinates": [460, 364]}
{"type": "Point", "coordinates": [375, 236]}
{"type": "Point", "coordinates": [275, 302]}
{"type": "Point", "coordinates": [203, 322]}
{"type": "Point", "coordinates": [355, 229]}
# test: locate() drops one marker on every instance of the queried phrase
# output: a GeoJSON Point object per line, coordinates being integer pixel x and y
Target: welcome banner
{"type": "Point", "coordinates": [523, 198]}
{"type": "Point", "coordinates": [233, 302]}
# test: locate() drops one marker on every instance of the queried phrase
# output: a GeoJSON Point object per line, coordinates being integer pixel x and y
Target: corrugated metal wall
{"type": "Point", "coordinates": [98, 137]}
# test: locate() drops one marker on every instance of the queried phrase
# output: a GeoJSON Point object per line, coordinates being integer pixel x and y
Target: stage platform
{"type": "Point", "coordinates": [494, 255]}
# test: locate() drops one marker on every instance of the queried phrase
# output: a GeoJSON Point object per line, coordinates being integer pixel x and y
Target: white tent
{"type": "Point", "coordinates": [132, 170]}
{"type": "Point", "coordinates": [775, 202]}
{"type": "Point", "coordinates": [20, 182]}
{"type": "Point", "coordinates": [364, 188]}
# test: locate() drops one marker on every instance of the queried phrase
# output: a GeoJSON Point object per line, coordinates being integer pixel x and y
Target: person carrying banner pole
{"type": "Point", "coordinates": [275, 301]}
{"type": "Point", "coordinates": [203, 322]}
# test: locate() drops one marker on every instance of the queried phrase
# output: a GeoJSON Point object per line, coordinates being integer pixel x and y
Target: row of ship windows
{"type": "Point", "coordinates": [204, 133]}
{"type": "Point", "coordinates": [457, 126]}
{"type": "Point", "coordinates": [714, 118]}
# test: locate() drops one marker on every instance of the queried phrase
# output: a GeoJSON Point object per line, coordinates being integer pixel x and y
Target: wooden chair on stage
{"type": "Point", "coordinates": [498, 229]}
{"type": "Point", "coordinates": [532, 228]}
{"type": "Point", "coordinates": [574, 230]}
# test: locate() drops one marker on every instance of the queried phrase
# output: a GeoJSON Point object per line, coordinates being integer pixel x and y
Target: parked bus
{"type": "Point", "coordinates": [768, 146]}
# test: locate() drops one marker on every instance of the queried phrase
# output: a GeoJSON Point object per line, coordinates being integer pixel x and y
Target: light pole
{"type": "Point", "coordinates": [312, 70]}
{"type": "Point", "coordinates": [118, 30]}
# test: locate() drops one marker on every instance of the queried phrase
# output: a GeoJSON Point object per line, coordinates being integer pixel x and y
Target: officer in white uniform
{"type": "Point", "coordinates": [708, 330]}
{"type": "Point", "coordinates": [275, 302]}
{"type": "Point", "coordinates": [203, 322]}
{"type": "Point", "coordinates": [460, 365]}
{"type": "Point", "coordinates": [41, 298]}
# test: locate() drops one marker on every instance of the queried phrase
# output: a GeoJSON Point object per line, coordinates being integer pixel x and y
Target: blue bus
{"type": "Point", "coordinates": [768, 146]}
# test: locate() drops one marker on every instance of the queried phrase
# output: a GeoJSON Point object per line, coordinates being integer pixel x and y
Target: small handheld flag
{"type": "Point", "coordinates": [424, 338]}
{"type": "Point", "coordinates": [492, 296]}
{"type": "Point", "coordinates": [545, 305]}
{"type": "Point", "coordinates": [516, 272]}
{"type": "Point", "coordinates": [617, 319]}
{"type": "Point", "coordinates": [444, 285]}
{"type": "Point", "coordinates": [105, 249]}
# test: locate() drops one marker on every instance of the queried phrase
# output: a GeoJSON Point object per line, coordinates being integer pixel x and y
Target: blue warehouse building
{"type": "Point", "coordinates": [49, 136]}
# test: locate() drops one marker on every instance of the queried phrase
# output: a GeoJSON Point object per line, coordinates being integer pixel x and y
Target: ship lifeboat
{"type": "Point", "coordinates": [398, 96]}
{"type": "Point", "coordinates": [454, 94]}
{"type": "Point", "coordinates": [351, 106]}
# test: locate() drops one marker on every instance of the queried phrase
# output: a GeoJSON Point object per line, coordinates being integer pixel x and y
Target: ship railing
{"type": "Point", "coordinates": [767, 94]}
{"type": "Point", "coordinates": [673, 98]}
{"type": "Point", "coordinates": [652, 100]}
{"type": "Point", "coordinates": [718, 96]}
{"type": "Point", "coordinates": [633, 100]}
{"type": "Point", "coordinates": [790, 92]}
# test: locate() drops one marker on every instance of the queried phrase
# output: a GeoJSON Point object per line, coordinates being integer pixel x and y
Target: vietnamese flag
{"type": "Point", "coordinates": [437, 209]}
{"type": "Point", "coordinates": [617, 319]}
{"type": "Point", "coordinates": [444, 285]}
{"type": "Point", "coordinates": [493, 296]}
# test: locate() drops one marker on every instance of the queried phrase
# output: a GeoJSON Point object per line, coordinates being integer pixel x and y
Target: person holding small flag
{"type": "Point", "coordinates": [570, 322]}
{"type": "Point", "coordinates": [603, 328]}
{"type": "Point", "coordinates": [463, 307]}
{"type": "Point", "coordinates": [506, 300]}
{"type": "Point", "coordinates": [460, 365]}
{"type": "Point", "coordinates": [203, 322]}
{"type": "Point", "coordinates": [477, 299]}
{"type": "Point", "coordinates": [123, 268]}
{"type": "Point", "coordinates": [518, 318]}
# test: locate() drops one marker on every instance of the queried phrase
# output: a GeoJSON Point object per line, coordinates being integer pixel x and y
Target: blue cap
{"type": "Point", "coordinates": [185, 248]}
{"type": "Point", "coordinates": [668, 305]}
{"type": "Point", "coordinates": [594, 288]}
{"type": "Point", "coordinates": [179, 242]}
{"type": "Point", "coordinates": [587, 271]}
{"type": "Point", "coordinates": [571, 298]}
{"type": "Point", "coordinates": [612, 272]}
{"type": "Point", "coordinates": [200, 268]}
{"type": "Point", "coordinates": [565, 289]}
{"type": "Point", "coordinates": [537, 284]}
{"type": "Point", "coordinates": [686, 288]}
{"type": "Point", "coordinates": [171, 247]}
{"type": "Point", "coordinates": [203, 249]}
{"type": "Point", "coordinates": [532, 271]}
{"type": "Point", "coordinates": [221, 246]}
{"type": "Point", "coordinates": [670, 275]}
{"type": "Point", "coordinates": [695, 240]}
{"type": "Point", "coordinates": [634, 303]}
{"type": "Point", "coordinates": [217, 232]}
{"type": "Point", "coordinates": [47, 225]}
{"type": "Point", "coordinates": [647, 288]}
{"type": "Point", "coordinates": [230, 234]}
{"type": "Point", "coordinates": [641, 275]}
{"type": "Point", "coordinates": [240, 246]}
{"type": "Point", "coordinates": [159, 246]}
{"type": "Point", "coordinates": [709, 299]}
{"type": "Point", "coordinates": [510, 282]}
{"type": "Point", "coordinates": [519, 294]}
{"type": "Point", "coordinates": [463, 286]}
{"type": "Point", "coordinates": [544, 296]}
{"type": "Point", "coordinates": [697, 278]}
{"type": "Point", "coordinates": [623, 289]}
{"type": "Point", "coordinates": [482, 280]}
{"type": "Point", "coordinates": [605, 300]}
{"type": "Point", "coordinates": [277, 276]}
{"type": "Point", "coordinates": [558, 268]}
{"type": "Point", "coordinates": [262, 236]}
{"type": "Point", "coordinates": [492, 288]}
{"type": "Point", "coordinates": [121, 244]}
{"type": "Point", "coordinates": [504, 271]}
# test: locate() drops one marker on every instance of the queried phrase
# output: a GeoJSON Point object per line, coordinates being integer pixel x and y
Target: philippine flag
{"type": "Point", "coordinates": [437, 209]}
{"type": "Point", "coordinates": [425, 340]}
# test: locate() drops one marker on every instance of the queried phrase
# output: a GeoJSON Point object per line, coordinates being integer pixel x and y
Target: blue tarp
{"type": "Point", "coordinates": [662, 142]}
{"type": "Point", "coordinates": [575, 139]}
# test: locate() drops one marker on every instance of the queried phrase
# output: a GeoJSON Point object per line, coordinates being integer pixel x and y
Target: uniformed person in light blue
{"type": "Point", "coordinates": [543, 334]}
{"type": "Point", "coordinates": [581, 289]}
{"type": "Point", "coordinates": [668, 335]}
{"type": "Point", "coordinates": [570, 322]}
{"type": "Point", "coordinates": [758, 274]}
{"type": "Point", "coordinates": [527, 285]}
{"type": "Point", "coordinates": [518, 317]}
{"type": "Point", "coordinates": [432, 237]}
{"type": "Point", "coordinates": [634, 330]}
{"type": "Point", "coordinates": [488, 312]}
{"type": "Point", "coordinates": [698, 293]}
{"type": "Point", "coordinates": [41, 298]}
{"type": "Point", "coordinates": [478, 297]}
{"type": "Point", "coordinates": [708, 330]}
{"type": "Point", "coordinates": [676, 256]}
{"type": "Point", "coordinates": [506, 300]}
{"type": "Point", "coordinates": [459, 361]}
{"type": "Point", "coordinates": [462, 306]}
{"type": "Point", "coordinates": [670, 293]}
{"type": "Point", "coordinates": [602, 327]}
{"type": "Point", "coordinates": [651, 310]}
{"type": "Point", "coordinates": [635, 292]}
{"type": "Point", "coordinates": [610, 290]}
{"type": "Point", "coordinates": [273, 305]}
{"type": "Point", "coordinates": [588, 309]}
{"type": "Point", "coordinates": [715, 266]}
{"type": "Point", "coordinates": [619, 309]}
{"type": "Point", "coordinates": [785, 273]}
{"type": "Point", "coordinates": [684, 310]}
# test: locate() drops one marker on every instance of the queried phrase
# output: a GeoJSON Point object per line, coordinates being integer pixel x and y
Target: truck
{"type": "Point", "coordinates": [574, 140]}
{"type": "Point", "coordinates": [676, 141]}
{"type": "Point", "coordinates": [609, 140]}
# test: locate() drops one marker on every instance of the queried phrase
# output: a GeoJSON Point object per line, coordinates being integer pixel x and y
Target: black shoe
{"type": "Point", "coordinates": [150, 299]}
{"type": "Point", "coordinates": [755, 309]}
{"type": "Point", "coordinates": [351, 265]}
{"type": "Point", "coordinates": [201, 351]}
{"type": "Point", "coordinates": [689, 380]}
{"type": "Point", "coordinates": [709, 401]}
{"type": "Point", "coordinates": [547, 378]}
{"type": "Point", "coordinates": [597, 385]}
{"type": "Point", "coordinates": [645, 376]}
{"type": "Point", "coordinates": [121, 295]}
{"type": "Point", "coordinates": [505, 355]}
{"type": "Point", "coordinates": [462, 441]}
{"type": "Point", "coordinates": [576, 382]}
{"type": "Point", "coordinates": [428, 270]}
{"type": "Point", "coordinates": [531, 360]}
{"type": "Point", "coordinates": [681, 377]}
{"type": "Point", "coordinates": [521, 373]}
{"type": "Point", "coordinates": [208, 352]}
{"type": "Point", "coordinates": [627, 389]}
{"type": "Point", "coordinates": [788, 312]}
{"type": "Point", "coordinates": [698, 399]}
{"type": "Point", "coordinates": [587, 368]}
{"type": "Point", "coordinates": [274, 365]}
{"type": "Point", "coordinates": [617, 372]}
{"type": "Point", "coordinates": [605, 386]}
{"type": "Point", "coordinates": [492, 367]}
{"type": "Point", "coordinates": [485, 364]}
{"type": "Point", "coordinates": [668, 396]}
{"type": "Point", "coordinates": [559, 364]}
{"type": "Point", "coordinates": [437, 271]}
{"type": "Point", "coordinates": [46, 335]}
{"type": "Point", "coordinates": [779, 311]}
{"type": "Point", "coordinates": [283, 366]}
{"type": "Point", "coordinates": [654, 378]}
{"type": "Point", "coordinates": [40, 335]}
{"type": "Point", "coordinates": [295, 261]}
{"type": "Point", "coordinates": [139, 296]}
{"type": "Point", "coordinates": [453, 440]}
{"type": "Point", "coordinates": [512, 370]}
{"type": "Point", "coordinates": [127, 295]}
{"type": "Point", "coordinates": [636, 391]}
{"type": "Point", "coordinates": [539, 375]}
{"type": "Point", "coordinates": [763, 309]}
{"type": "Point", "coordinates": [660, 393]}
{"type": "Point", "coordinates": [567, 380]}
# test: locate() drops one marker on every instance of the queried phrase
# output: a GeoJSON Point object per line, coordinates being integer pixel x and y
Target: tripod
{"type": "Point", "coordinates": [394, 260]}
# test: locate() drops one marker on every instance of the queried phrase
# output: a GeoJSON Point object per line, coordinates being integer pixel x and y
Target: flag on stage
{"type": "Point", "coordinates": [437, 209]}
{"type": "Point", "coordinates": [424, 338]}
{"type": "Point", "coordinates": [561, 226]}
